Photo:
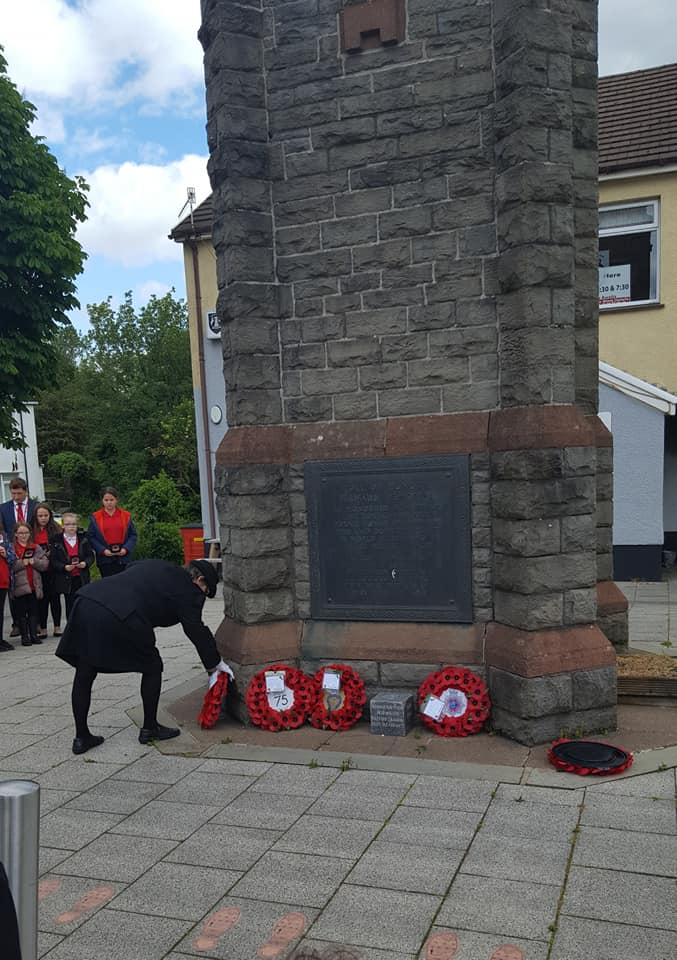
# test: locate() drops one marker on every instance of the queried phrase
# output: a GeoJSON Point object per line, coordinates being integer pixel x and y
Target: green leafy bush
{"type": "Point", "coordinates": [157, 500]}
{"type": "Point", "coordinates": [159, 541]}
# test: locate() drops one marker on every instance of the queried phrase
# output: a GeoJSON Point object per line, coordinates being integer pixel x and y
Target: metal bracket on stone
{"type": "Point", "coordinates": [366, 26]}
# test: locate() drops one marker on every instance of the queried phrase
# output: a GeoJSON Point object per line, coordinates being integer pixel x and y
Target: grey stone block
{"type": "Point", "coordinates": [529, 611]}
{"type": "Point", "coordinates": [405, 674]}
{"type": "Point", "coordinates": [394, 403]}
{"type": "Point", "coordinates": [580, 606]}
{"type": "Point", "coordinates": [530, 696]}
{"type": "Point", "coordinates": [527, 538]}
{"type": "Point", "coordinates": [355, 406]}
{"type": "Point", "coordinates": [594, 688]}
{"type": "Point", "coordinates": [542, 729]}
{"type": "Point", "coordinates": [391, 713]}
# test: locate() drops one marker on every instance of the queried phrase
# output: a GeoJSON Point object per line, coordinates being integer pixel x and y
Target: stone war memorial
{"type": "Point", "coordinates": [405, 225]}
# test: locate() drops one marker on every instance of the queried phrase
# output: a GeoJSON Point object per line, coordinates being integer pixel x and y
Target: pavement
{"type": "Point", "coordinates": [243, 845]}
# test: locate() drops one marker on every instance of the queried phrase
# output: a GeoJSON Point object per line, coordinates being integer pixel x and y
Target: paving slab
{"type": "Point", "coordinates": [252, 925]}
{"type": "Point", "coordinates": [112, 934]}
{"type": "Point", "coordinates": [264, 809]}
{"type": "Point", "coordinates": [241, 768]}
{"type": "Point", "coordinates": [660, 784]}
{"type": "Point", "coordinates": [224, 846]}
{"type": "Point", "coordinates": [406, 866]}
{"type": "Point", "coordinates": [212, 788]}
{"type": "Point", "coordinates": [116, 857]}
{"type": "Point", "coordinates": [116, 796]}
{"type": "Point", "coordinates": [523, 818]}
{"type": "Point", "coordinates": [176, 890]}
{"type": "Point", "coordinates": [329, 837]}
{"type": "Point", "coordinates": [480, 946]}
{"type": "Point", "coordinates": [350, 804]}
{"type": "Point", "coordinates": [77, 774]}
{"type": "Point", "coordinates": [173, 821]}
{"type": "Point", "coordinates": [325, 950]}
{"type": "Point", "coordinates": [14, 742]}
{"type": "Point", "coordinates": [52, 799]}
{"type": "Point", "coordinates": [65, 903]}
{"type": "Point", "coordinates": [549, 795]}
{"type": "Point", "coordinates": [50, 857]}
{"type": "Point", "coordinates": [515, 858]}
{"type": "Point", "coordinates": [444, 793]}
{"type": "Point", "coordinates": [73, 829]}
{"type": "Point", "coordinates": [293, 878]}
{"type": "Point", "coordinates": [154, 767]}
{"type": "Point", "coordinates": [632, 813]}
{"type": "Point", "coordinates": [46, 941]}
{"type": "Point", "coordinates": [295, 781]}
{"type": "Point", "coordinates": [651, 853]}
{"type": "Point", "coordinates": [385, 919]}
{"type": "Point", "coordinates": [511, 908]}
{"type": "Point", "coordinates": [618, 897]}
{"type": "Point", "coordinates": [441, 829]}
{"type": "Point", "coordinates": [579, 939]}
{"type": "Point", "coordinates": [373, 782]}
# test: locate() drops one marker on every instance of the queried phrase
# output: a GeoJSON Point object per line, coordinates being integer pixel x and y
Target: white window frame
{"type": "Point", "coordinates": [638, 228]}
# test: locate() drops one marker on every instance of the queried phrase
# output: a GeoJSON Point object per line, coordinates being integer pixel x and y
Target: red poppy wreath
{"type": "Point", "coordinates": [340, 699]}
{"type": "Point", "coordinates": [280, 697]}
{"type": "Point", "coordinates": [589, 757]}
{"type": "Point", "coordinates": [453, 702]}
{"type": "Point", "coordinates": [214, 697]}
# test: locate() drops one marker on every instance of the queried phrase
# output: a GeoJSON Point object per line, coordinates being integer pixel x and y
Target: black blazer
{"type": "Point", "coordinates": [58, 558]}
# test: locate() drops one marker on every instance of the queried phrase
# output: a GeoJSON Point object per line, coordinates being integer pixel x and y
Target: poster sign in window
{"type": "Point", "coordinates": [614, 285]}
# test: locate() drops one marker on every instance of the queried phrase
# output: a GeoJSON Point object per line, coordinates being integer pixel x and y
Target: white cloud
{"type": "Point", "coordinates": [144, 291]}
{"type": "Point", "coordinates": [104, 51]}
{"type": "Point", "coordinates": [633, 36]}
{"type": "Point", "coordinates": [133, 206]}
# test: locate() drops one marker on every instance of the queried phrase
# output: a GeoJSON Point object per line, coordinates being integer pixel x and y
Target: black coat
{"type": "Point", "coordinates": [62, 580]}
{"type": "Point", "coordinates": [111, 625]}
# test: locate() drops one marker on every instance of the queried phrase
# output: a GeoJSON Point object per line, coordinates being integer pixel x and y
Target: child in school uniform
{"type": "Point", "coordinates": [26, 582]}
{"type": "Point", "coordinates": [71, 556]}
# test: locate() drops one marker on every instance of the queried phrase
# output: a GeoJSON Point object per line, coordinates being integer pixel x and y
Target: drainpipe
{"type": "Point", "coordinates": [203, 387]}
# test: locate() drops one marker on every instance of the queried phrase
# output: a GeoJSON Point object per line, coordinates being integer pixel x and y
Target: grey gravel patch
{"type": "Point", "coordinates": [480, 946]}
{"type": "Point", "coordinates": [111, 935]}
{"type": "Point", "coordinates": [294, 781]}
{"type": "Point", "coordinates": [406, 866]}
{"type": "Point", "coordinates": [431, 828]}
{"type": "Point", "coordinates": [550, 795]}
{"type": "Point", "coordinates": [224, 846]}
{"type": "Point", "coordinates": [176, 890]}
{"type": "Point", "coordinates": [541, 861]}
{"type": "Point", "coordinates": [174, 821]}
{"type": "Point", "coordinates": [446, 794]}
{"type": "Point", "coordinates": [263, 810]}
{"type": "Point", "coordinates": [635, 852]}
{"type": "Point", "coordinates": [256, 924]}
{"type": "Point", "coordinates": [116, 857]}
{"type": "Point", "coordinates": [514, 818]}
{"type": "Point", "coordinates": [211, 788]}
{"type": "Point", "coordinates": [330, 838]}
{"type": "Point", "coordinates": [579, 939]}
{"type": "Point", "coordinates": [631, 813]}
{"type": "Point", "coordinates": [293, 878]}
{"type": "Point", "coordinates": [508, 908]}
{"type": "Point", "coordinates": [385, 919]}
{"type": "Point", "coordinates": [621, 898]}
{"type": "Point", "coordinates": [660, 784]}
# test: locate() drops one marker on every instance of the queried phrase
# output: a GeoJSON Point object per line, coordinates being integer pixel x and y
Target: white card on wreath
{"type": "Point", "coordinates": [331, 680]}
{"type": "Point", "coordinates": [433, 707]}
{"type": "Point", "coordinates": [274, 681]}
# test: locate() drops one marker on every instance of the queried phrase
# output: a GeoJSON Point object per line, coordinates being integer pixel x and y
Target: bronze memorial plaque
{"type": "Point", "coordinates": [390, 539]}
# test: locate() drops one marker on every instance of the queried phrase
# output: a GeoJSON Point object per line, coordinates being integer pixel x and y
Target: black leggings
{"type": "Point", "coordinates": [81, 697]}
{"type": "Point", "coordinates": [51, 601]}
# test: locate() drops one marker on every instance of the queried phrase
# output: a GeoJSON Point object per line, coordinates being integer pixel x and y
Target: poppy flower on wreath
{"type": "Point", "coordinates": [453, 702]}
{"type": "Point", "coordinates": [211, 707]}
{"type": "Point", "coordinates": [341, 697]}
{"type": "Point", "coordinates": [585, 757]}
{"type": "Point", "coordinates": [280, 697]}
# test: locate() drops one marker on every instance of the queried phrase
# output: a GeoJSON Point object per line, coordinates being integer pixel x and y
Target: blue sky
{"type": "Point", "coordinates": [119, 89]}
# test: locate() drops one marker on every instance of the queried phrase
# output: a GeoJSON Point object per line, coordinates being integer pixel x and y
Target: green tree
{"type": "Point", "coordinates": [40, 208]}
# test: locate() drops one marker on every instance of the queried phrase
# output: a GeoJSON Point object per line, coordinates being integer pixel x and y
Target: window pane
{"type": "Point", "coordinates": [626, 217]}
{"type": "Point", "coordinates": [638, 250]}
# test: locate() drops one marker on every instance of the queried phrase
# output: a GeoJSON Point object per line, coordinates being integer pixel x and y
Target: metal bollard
{"type": "Point", "coordinates": [19, 844]}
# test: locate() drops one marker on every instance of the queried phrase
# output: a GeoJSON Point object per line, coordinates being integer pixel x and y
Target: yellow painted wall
{"type": "Point", "coordinates": [643, 341]}
{"type": "Point", "coordinates": [208, 291]}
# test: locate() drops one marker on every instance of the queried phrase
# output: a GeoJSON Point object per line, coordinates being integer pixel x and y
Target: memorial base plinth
{"type": "Point", "coordinates": [551, 683]}
{"type": "Point", "coordinates": [612, 614]}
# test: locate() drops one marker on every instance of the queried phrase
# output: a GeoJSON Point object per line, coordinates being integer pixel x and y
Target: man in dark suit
{"type": "Point", "coordinates": [19, 508]}
{"type": "Point", "coordinates": [111, 630]}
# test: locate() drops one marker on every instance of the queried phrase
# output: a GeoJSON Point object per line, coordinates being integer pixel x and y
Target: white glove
{"type": "Point", "coordinates": [221, 667]}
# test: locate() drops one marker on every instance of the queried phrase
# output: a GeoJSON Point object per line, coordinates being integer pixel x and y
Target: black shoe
{"type": "Point", "coordinates": [6, 645]}
{"type": "Point", "coordinates": [83, 744]}
{"type": "Point", "coordinates": [157, 733]}
{"type": "Point", "coordinates": [14, 632]}
{"type": "Point", "coordinates": [36, 640]}
{"type": "Point", "coordinates": [25, 642]}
